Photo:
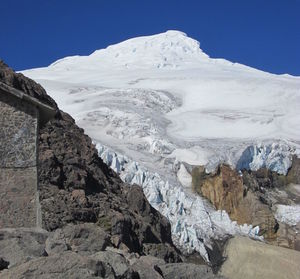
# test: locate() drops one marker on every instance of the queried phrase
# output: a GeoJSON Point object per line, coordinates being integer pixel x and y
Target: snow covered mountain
{"type": "Point", "coordinates": [157, 104]}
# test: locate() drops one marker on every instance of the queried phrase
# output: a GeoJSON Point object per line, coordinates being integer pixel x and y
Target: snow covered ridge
{"type": "Point", "coordinates": [194, 222]}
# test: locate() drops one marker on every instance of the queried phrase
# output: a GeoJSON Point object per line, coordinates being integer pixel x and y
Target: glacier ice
{"type": "Point", "coordinates": [274, 156]}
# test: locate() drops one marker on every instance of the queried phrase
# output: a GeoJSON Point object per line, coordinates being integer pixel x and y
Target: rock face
{"type": "Point", "coordinates": [24, 84]}
{"type": "Point", "coordinates": [251, 196]}
{"type": "Point", "coordinates": [293, 175]}
{"type": "Point", "coordinates": [76, 186]}
{"type": "Point", "coordinates": [224, 188]}
{"type": "Point", "coordinates": [186, 271]}
{"type": "Point", "coordinates": [237, 195]}
{"type": "Point", "coordinates": [21, 244]}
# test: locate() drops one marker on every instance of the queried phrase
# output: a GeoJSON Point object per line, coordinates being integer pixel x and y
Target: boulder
{"type": "Point", "coordinates": [22, 244]}
{"type": "Point", "coordinates": [85, 238]}
{"type": "Point", "coordinates": [60, 266]}
{"type": "Point", "coordinates": [187, 271]}
{"type": "Point", "coordinates": [247, 258]}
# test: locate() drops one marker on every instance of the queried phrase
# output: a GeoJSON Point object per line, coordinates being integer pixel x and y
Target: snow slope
{"type": "Point", "coordinates": [161, 101]}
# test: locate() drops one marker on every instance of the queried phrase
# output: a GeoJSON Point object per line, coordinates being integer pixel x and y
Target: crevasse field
{"type": "Point", "coordinates": [155, 105]}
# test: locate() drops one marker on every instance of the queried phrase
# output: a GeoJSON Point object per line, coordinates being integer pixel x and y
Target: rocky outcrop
{"type": "Point", "coordinates": [25, 84]}
{"type": "Point", "coordinates": [22, 244]}
{"type": "Point", "coordinates": [76, 187]}
{"type": "Point", "coordinates": [186, 271]}
{"type": "Point", "coordinates": [228, 190]}
{"type": "Point", "coordinates": [224, 188]}
{"type": "Point", "coordinates": [250, 197]}
{"type": "Point", "coordinates": [82, 251]}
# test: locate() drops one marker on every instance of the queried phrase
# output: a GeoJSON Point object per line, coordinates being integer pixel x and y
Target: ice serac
{"type": "Point", "coordinates": [275, 156]}
{"type": "Point", "coordinates": [162, 102]}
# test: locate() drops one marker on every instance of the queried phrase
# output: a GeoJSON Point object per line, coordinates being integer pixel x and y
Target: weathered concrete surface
{"type": "Point", "coordinates": [18, 159]}
{"type": "Point", "coordinates": [18, 132]}
{"type": "Point", "coordinates": [18, 189]}
{"type": "Point", "coordinates": [253, 259]}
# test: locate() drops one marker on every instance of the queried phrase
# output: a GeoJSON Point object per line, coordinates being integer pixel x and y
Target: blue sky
{"type": "Point", "coordinates": [264, 34]}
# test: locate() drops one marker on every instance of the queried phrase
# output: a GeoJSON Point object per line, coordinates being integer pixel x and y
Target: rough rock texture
{"type": "Point", "coordinates": [81, 238]}
{"type": "Point", "coordinates": [224, 188]}
{"type": "Point", "coordinates": [19, 125]}
{"type": "Point", "coordinates": [18, 160]}
{"type": "Point", "coordinates": [25, 84]}
{"type": "Point", "coordinates": [80, 251]}
{"type": "Point", "coordinates": [187, 271]}
{"type": "Point", "coordinates": [241, 196]}
{"type": "Point", "coordinates": [76, 186]}
{"type": "Point", "coordinates": [65, 265]}
{"type": "Point", "coordinates": [21, 244]}
{"type": "Point", "coordinates": [293, 175]}
{"type": "Point", "coordinates": [287, 236]}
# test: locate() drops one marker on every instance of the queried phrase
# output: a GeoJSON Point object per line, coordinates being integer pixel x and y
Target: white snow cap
{"type": "Point", "coordinates": [165, 50]}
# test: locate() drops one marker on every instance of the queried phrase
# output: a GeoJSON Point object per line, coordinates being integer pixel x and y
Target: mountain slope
{"type": "Point", "coordinates": [165, 105]}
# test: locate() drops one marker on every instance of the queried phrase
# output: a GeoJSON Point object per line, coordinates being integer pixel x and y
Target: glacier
{"type": "Point", "coordinates": [157, 105]}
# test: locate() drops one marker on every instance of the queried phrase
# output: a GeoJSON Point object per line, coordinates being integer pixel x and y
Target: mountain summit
{"type": "Point", "coordinates": [171, 49]}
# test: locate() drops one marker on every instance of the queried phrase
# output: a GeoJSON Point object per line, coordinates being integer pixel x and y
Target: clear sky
{"type": "Point", "coordinates": [264, 34]}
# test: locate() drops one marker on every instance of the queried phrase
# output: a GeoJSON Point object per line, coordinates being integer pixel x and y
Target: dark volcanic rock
{"type": "Point", "coordinates": [83, 238]}
{"type": "Point", "coordinates": [3, 264]}
{"type": "Point", "coordinates": [65, 265]}
{"type": "Point", "coordinates": [187, 271]}
{"type": "Point", "coordinates": [77, 187]}
{"type": "Point", "coordinates": [25, 84]}
{"type": "Point", "coordinates": [22, 244]}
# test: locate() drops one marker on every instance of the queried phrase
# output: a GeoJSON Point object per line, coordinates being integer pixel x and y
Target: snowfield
{"type": "Point", "coordinates": [162, 103]}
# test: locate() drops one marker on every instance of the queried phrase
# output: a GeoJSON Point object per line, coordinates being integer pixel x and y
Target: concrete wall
{"type": "Point", "coordinates": [18, 162]}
